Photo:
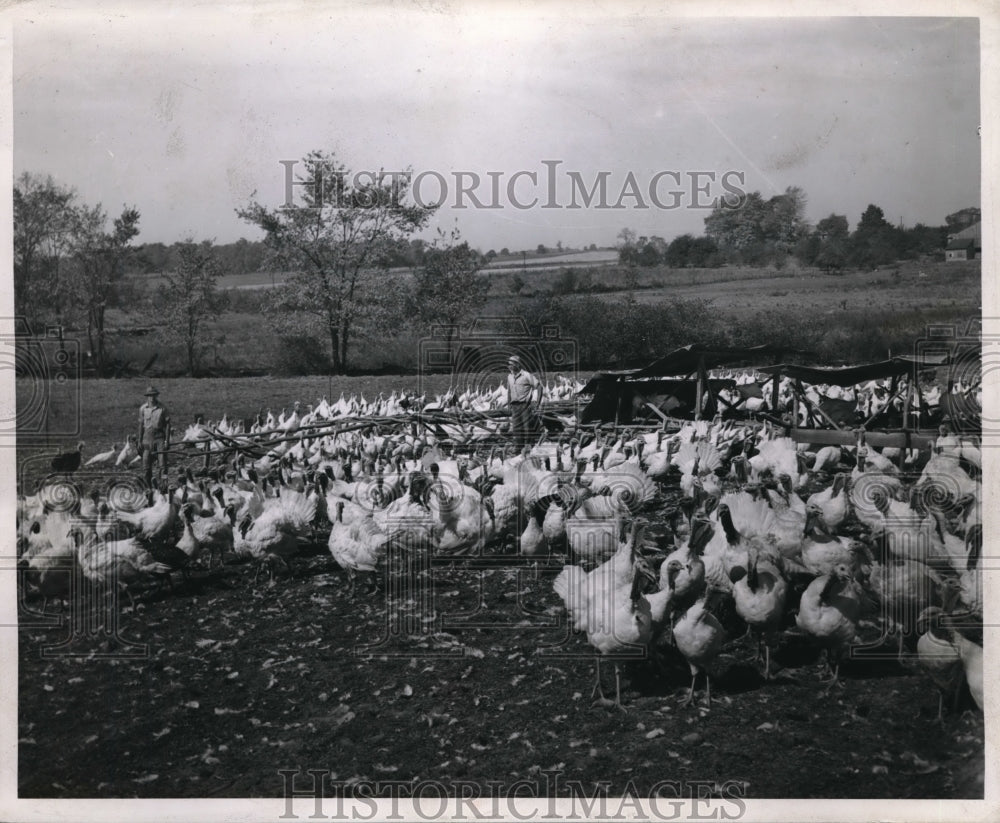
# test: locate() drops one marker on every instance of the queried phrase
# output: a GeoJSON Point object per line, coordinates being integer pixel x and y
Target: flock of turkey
{"type": "Point", "coordinates": [674, 543]}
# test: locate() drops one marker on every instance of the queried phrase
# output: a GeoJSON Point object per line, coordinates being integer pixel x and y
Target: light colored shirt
{"type": "Point", "coordinates": [152, 421]}
{"type": "Point", "coordinates": [521, 386]}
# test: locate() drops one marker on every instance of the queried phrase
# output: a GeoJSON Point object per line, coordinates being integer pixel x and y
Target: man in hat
{"type": "Point", "coordinates": [524, 393]}
{"type": "Point", "coordinates": [154, 426]}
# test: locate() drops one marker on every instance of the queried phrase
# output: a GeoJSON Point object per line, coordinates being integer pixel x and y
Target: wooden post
{"type": "Point", "coordinates": [776, 385]}
{"type": "Point", "coordinates": [906, 405]}
{"type": "Point", "coordinates": [922, 415]}
{"type": "Point", "coordinates": [700, 388]}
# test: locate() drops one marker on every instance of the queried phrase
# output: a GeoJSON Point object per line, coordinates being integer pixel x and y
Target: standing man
{"type": "Point", "coordinates": [154, 428]}
{"type": "Point", "coordinates": [524, 393]}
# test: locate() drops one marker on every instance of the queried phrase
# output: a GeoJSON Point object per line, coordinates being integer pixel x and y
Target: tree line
{"type": "Point", "coordinates": [70, 265]}
{"type": "Point", "coordinates": [245, 255]}
{"type": "Point", "coordinates": [71, 268]}
{"type": "Point", "coordinates": [76, 266]}
{"type": "Point", "coordinates": [774, 231]}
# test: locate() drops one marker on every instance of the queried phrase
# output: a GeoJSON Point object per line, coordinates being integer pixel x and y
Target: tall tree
{"type": "Point", "coordinates": [628, 247]}
{"type": "Point", "coordinates": [344, 231]}
{"type": "Point", "coordinates": [759, 231]}
{"type": "Point", "coordinates": [652, 250]}
{"type": "Point", "coordinates": [702, 252]}
{"type": "Point", "coordinates": [99, 280]}
{"type": "Point", "coordinates": [44, 220]}
{"type": "Point", "coordinates": [834, 226]}
{"type": "Point", "coordinates": [872, 219]}
{"type": "Point", "coordinates": [448, 288]}
{"type": "Point", "coordinates": [963, 219]}
{"type": "Point", "coordinates": [828, 246]}
{"type": "Point", "coordinates": [678, 251]}
{"type": "Point", "coordinates": [784, 223]}
{"type": "Point", "coordinates": [739, 232]}
{"type": "Point", "coordinates": [875, 242]}
{"type": "Point", "coordinates": [189, 297]}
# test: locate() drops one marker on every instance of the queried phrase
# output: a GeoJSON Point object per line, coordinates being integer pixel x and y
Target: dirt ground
{"type": "Point", "coordinates": [211, 690]}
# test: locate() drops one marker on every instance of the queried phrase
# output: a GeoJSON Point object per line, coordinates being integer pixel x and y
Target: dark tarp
{"type": "Point", "coordinates": [852, 375]}
{"type": "Point", "coordinates": [685, 360]}
{"type": "Point", "coordinates": [748, 390]}
{"type": "Point", "coordinates": [604, 378]}
{"type": "Point", "coordinates": [627, 400]}
{"type": "Point", "coordinates": [625, 392]}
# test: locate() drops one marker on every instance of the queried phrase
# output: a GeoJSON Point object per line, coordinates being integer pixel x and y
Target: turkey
{"type": "Point", "coordinates": [608, 605]}
{"type": "Point", "coordinates": [829, 612]}
{"type": "Point", "coordinates": [274, 535]}
{"type": "Point", "coordinates": [760, 595]}
{"type": "Point", "coordinates": [68, 462]}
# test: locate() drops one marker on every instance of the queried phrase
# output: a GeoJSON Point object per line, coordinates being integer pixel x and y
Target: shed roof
{"type": "Point", "coordinates": [964, 243]}
{"type": "Point", "coordinates": [973, 232]}
{"type": "Point", "coordinates": [686, 359]}
{"type": "Point", "coordinates": [852, 375]}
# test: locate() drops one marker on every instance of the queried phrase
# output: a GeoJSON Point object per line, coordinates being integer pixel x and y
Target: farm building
{"type": "Point", "coordinates": [676, 384]}
{"type": "Point", "coordinates": [679, 386]}
{"type": "Point", "coordinates": [966, 244]}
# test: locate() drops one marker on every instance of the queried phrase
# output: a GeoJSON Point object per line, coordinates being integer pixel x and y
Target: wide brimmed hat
{"type": "Point", "coordinates": [150, 392]}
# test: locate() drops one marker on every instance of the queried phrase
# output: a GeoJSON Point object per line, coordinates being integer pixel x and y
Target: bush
{"type": "Point", "coordinates": [566, 282]}
{"type": "Point", "coordinates": [300, 354]}
{"type": "Point", "coordinates": [630, 333]}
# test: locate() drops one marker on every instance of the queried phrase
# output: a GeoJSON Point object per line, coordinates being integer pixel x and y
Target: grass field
{"type": "Point", "coordinates": [757, 302]}
{"type": "Point", "coordinates": [930, 286]}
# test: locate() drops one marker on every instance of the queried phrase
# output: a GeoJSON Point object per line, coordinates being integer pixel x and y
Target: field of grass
{"type": "Point", "coordinates": [908, 286]}
{"type": "Point", "coordinates": [888, 308]}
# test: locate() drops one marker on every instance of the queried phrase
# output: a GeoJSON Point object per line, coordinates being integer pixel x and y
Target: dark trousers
{"type": "Point", "coordinates": [150, 450]}
{"type": "Point", "coordinates": [522, 423]}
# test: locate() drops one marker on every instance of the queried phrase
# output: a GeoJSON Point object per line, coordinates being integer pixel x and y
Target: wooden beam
{"type": "Point", "coordinates": [729, 405]}
{"type": "Point", "coordinates": [906, 404]}
{"type": "Point", "coordinates": [877, 440]}
{"type": "Point", "coordinates": [813, 409]}
{"type": "Point", "coordinates": [700, 388]}
{"type": "Point", "coordinates": [924, 410]}
{"type": "Point", "coordinates": [618, 403]}
{"type": "Point", "coordinates": [661, 415]}
{"type": "Point", "coordinates": [885, 408]}
{"type": "Point", "coordinates": [775, 391]}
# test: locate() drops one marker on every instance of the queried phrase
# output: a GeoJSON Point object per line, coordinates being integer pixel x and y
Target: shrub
{"type": "Point", "coordinates": [299, 354]}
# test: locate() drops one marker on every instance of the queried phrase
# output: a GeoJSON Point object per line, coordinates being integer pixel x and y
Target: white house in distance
{"type": "Point", "coordinates": [966, 244]}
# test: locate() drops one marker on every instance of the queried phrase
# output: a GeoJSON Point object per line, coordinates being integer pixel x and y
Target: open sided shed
{"type": "Point", "coordinates": [892, 370]}
{"type": "Point", "coordinates": [677, 384]}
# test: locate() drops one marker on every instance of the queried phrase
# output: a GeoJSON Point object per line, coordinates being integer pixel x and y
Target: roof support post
{"type": "Point", "coordinates": [700, 390]}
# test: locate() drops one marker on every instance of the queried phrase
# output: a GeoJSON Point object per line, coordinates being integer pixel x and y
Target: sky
{"type": "Point", "coordinates": [187, 110]}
